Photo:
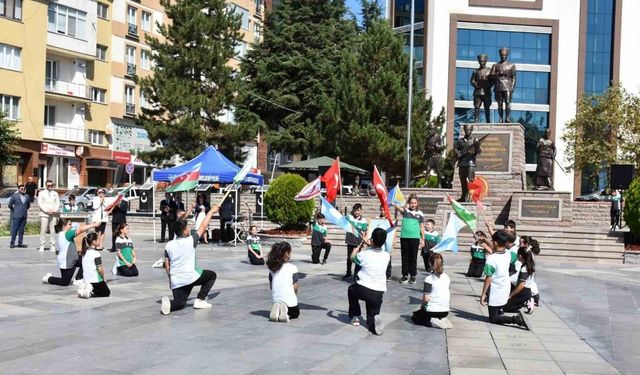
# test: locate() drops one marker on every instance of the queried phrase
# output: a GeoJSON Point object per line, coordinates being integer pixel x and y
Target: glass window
{"type": "Point", "coordinates": [146, 21]}
{"type": "Point", "coordinates": [103, 10]}
{"type": "Point", "coordinates": [599, 54]}
{"type": "Point", "coordinates": [10, 57]}
{"type": "Point", "coordinates": [128, 94]}
{"type": "Point", "coordinates": [49, 115]}
{"type": "Point", "coordinates": [99, 95]}
{"type": "Point", "coordinates": [131, 15]}
{"type": "Point", "coordinates": [244, 14]}
{"type": "Point", "coordinates": [11, 9]}
{"type": "Point", "coordinates": [143, 100]}
{"type": "Point", "coordinates": [528, 48]}
{"type": "Point", "coordinates": [131, 55]}
{"type": "Point", "coordinates": [402, 12]}
{"type": "Point", "coordinates": [145, 62]}
{"type": "Point", "coordinates": [101, 52]}
{"type": "Point", "coordinates": [67, 21]}
{"type": "Point", "coordinates": [96, 137]}
{"type": "Point", "coordinates": [240, 49]}
{"type": "Point", "coordinates": [10, 106]}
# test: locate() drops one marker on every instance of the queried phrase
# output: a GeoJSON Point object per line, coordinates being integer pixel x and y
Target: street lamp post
{"type": "Point", "coordinates": [407, 169]}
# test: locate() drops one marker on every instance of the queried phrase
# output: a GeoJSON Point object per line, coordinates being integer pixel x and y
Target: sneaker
{"type": "Point", "coordinates": [275, 312]}
{"type": "Point", "coordinates": [45, 278]}
{"type": "Point", "coordinates": [346, 276]}
{"type": "Point", "coordinates": [41, 249]}
{"type": "Point", "coordinates": [378, 326]}
{"type": "Point", "coordinates": [201, 304]}
{"type": "Point", "coordinates": [324, 261]}
{"type": "Point", "coordinates": [355, 321]}
{"type": "Point", "coordinates": [85, 290]}
{"type": "Point", "coordinates": [114, 269]}
{"type": "Point", "coordinates": [438, 323]}
{"type": "Point", "coordinates": [284, 313]}
{"type": "Point", "coordinates": [412, 280]}
{"type": "Point", "coordinates": [165, 308]}
{"type": "Point", "coordinates": [446, 323]}
{"type": "Point", "coordinates": [21, 245]}
{"type": "Point", "coordinates": [536, 299]}
{"type": "Point", "coordinates": [78, 282]}
{"type": "Point", "coordinates": [522, 320]}
{"type": "Point", "coordinates": [388, 278]}
{"type": "Point", "coordinates": [530, 306]}
{"type": "Point", "coordinates": [404, 280]}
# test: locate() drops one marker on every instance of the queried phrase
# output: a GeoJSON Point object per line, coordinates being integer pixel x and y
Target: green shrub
{"type": "Point", "coordinates": [632, 207]}
{"type": "Point", "coordinates": [280, 207]}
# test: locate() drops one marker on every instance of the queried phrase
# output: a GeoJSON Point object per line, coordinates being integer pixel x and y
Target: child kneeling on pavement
{"type": "Point", "coordinates": [283, 280]}
{"type": "Point", "coordinates": [371, 283]}
{"type": "Point", "coordinates": [435, 300]}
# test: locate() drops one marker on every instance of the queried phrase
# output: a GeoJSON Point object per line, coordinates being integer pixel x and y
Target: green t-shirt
{"type": "Point", "coordinates": [254, 243]}
{"type": "Point", "coordinates": [477, 252]}
{"type": "Point", "coordinates": [411, 221]}
{"type": "Point", "coordinates": [125, 246]}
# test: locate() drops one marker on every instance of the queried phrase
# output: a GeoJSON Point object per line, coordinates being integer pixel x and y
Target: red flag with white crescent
{"type": "Point", "coordinates": [381, 191]}
{"type": "Point", "coordinates": [331, 179]}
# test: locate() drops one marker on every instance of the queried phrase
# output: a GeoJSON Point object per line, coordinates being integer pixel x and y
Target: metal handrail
{"type": "Point", "coordinates": [66, 132]}
{"type": "Point", "coordinates": [67, 88]}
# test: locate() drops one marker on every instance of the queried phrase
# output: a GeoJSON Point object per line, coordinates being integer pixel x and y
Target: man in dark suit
{"type": "Point", "coordinates": [118, 216]}
{"type": "Point", "coordinates": [175, 205]}
{"type": "Point", "coordinates": [19, 204]}
{"type": "Point", "coordinates": [31, 188]}
{"type": "Point", "coordinates": [164, 216]}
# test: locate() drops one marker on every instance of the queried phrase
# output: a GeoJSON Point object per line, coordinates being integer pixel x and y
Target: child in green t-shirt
{"type": "Point", "coordinates": [431, 239]}
{"type": "Point", "coordinates": [478, 254]}
{"type": "Point", "coordinates": [319, 240]}
{"type": "Point", "coordinates": [411, 238]}
{"type": "Point", "coordinates": [254, 250]}
{"type": "Point", "coordinates": [126, 256]}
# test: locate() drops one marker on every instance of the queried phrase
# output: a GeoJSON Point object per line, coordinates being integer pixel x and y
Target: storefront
{"type": "Point", "coordinates": [62, 165]}
{"type": "Point", "coordinates": [100, 167]}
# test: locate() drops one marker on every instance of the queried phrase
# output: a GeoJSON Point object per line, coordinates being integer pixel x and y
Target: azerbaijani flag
{"type": "Point", "coordinates": [118, 198]}
{"type": "Point", "coordinates": [186, 181]}
{"type": "Point", "coordinates": [450, 236]}
{"type": "Point", "coordinates": [463, 213]}
{"type": "Point", "coordinates": [335, 217]}
{"type": "Point", "coordinates": [395, 196]}
{"type": "Point", "coordinates": [309, 191]}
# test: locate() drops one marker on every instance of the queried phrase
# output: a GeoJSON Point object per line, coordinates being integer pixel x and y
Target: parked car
{"type": "Point", "coordinates": [132, 195]}
{"type": "Point", "coordinates": [5, 194]}
{"type": "Point", "coordinates": [598, 195]}
{"type": "Point", "coordinates": [84, 197]}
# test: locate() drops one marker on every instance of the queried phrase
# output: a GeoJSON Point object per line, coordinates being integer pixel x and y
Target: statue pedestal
{"type": "Point", "coordinates": [501, 163]}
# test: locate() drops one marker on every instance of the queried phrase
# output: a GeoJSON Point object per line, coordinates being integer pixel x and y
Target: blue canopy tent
{"type": "Point", "coordinates": [215, 168]}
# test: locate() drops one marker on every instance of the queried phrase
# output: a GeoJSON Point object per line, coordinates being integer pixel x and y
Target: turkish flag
{"type": "Point", "coordinates": [331, 180]}
{"type": "Point", "coordinates": [381, 191]}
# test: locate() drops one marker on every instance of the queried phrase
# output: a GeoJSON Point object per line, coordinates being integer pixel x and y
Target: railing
{"type": "Point", "coordinates": [130, 109]}
{"type": "Point", "coordinates": [67, 88]}
{"type": "Point", "coordinates": [131, 69]}
{"type": "Point", "coordinates": [66, 133]}
{"type": "Point", "coordinates": [133, 30]}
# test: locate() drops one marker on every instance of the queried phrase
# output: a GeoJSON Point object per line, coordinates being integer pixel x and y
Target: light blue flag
{"type": "Point", "coordinates": [333, 216]}
{"type": "Point", "coordinates": [450, 236]}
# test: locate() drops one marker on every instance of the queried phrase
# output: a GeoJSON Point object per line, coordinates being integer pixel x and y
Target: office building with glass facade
{"type": "Point", "coordinates": [562, 50]}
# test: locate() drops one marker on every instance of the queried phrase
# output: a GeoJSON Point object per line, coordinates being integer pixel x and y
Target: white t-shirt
{"type": "Point", "coordinates": [515, 246]}
{"type": "Point", "coordinates": [373, 274]}
{"type": "Point", "coordinates": [282, 285]}
{"type": "Point", "coordinates": [514, 278]}
{"type": "Point", "coordinates": [438, 289]}
{"type": "Point", "coordinates": [497, 267]}
{"type": "Point", "coordinates": [67, 253]}
{"type": "Point", "coordinates": [99, 214]}
{"type": "Point", "coordinates": [90, 262]}
{"type": "Point", "coordinates": [182, 257]}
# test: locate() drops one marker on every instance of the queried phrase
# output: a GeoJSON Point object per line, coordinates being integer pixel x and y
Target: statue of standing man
{"type": "Point", "coordinates": [481, 82]}
{"type": "Point", "coordinates": [466, 151]}
{"type": "Point", "coordinates": [546, 155]}
{"type": "Point", "coordinates": [503, 74]}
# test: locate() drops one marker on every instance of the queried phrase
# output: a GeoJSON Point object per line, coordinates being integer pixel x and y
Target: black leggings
{"type": "Point", "coordinates": [254, 259]}
{"type": "Point", "coordinates": [518, 301]}
{"type": "Point", "coordinates": [496, 316]}
{"type": "Point", "coordinates": [293, 312]}
{"type": "Point", "coordinates": [100, 290]}
{"type": "Point", "coordinates": [372, 299]}
{"type": "Point", "coordinates": [180, 295]}
{"type": "Point", "coordinates": [67, 274]}
{"type": "Point", "coordinates": [423, 317]}
{"type": "Point", "coordinates": [476, 267]}
{"type": "Point", "coordinates": [128, 271]}
{"type": "Point", "coordinates": [409, 252]}
{"type": "Point", "coordinates": [316, 250]}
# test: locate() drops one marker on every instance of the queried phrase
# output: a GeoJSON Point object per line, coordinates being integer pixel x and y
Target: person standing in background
{"type": "Point", "coordinates": [49, 202]}
{"type": "Point", "coordinates": [118, 216]}
{"type": "Point", "coordinates": [100, 215]}
{"type": "Point", "coordinates": [31, 188]}
{"type": "Point", "coordinates": [19, 204]}
{"type": "Point", "coordinates": [164, 216]}
{"type": "Point", "coordinates": [617, 202]}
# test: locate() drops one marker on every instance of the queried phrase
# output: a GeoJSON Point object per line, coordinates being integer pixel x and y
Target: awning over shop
{"type": "Point", "coordinates": [102, 164]}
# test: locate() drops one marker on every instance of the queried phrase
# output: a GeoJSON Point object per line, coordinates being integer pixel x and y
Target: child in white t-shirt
{"type": "Point", "coordinates": [435, 300]}
{"type": "Point", "coordinates": [283, 279]}
{"type": "Point", "coordinates": [94, 284]}
{"type": "Point", "coordinates": [496, 270]}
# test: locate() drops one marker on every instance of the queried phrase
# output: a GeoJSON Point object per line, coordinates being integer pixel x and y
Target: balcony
{"type": "Point", "coordinates": [66, 133]}
{"type": "Point", "coordinates": [132, 31]}
{"type": "Point", "coordinates": [67, 89]}
{"type": "Point", "coordinates": [130, 109]}
{"type": "Point", "coordinates": [131, 69]}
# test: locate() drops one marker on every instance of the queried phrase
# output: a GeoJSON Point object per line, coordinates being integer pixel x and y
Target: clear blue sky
{"type": "Point", "coordinates": [354, 5]}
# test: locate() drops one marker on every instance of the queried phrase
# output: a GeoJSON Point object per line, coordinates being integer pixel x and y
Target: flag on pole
{"type": "Point", "coordinates": [310, 191]}
{"type": "Point", "coordinates": [242, 173]}
{"type": "Point", "coordinates": [450, 236]}
{"type": "Point", "coordinates": [186, 181]}
{"type": "Point", "coordinates": [395, 196]}
{"type": "Point", "coordinates": [463, 213]}
{"type": "Point", "coordinates": [382, 193]}
{"type": "Point", "coordinates": [333, 216]}
{"type": "Point", "coordinates": [331, 179]}
{"type": "Point", "coordinates": [118, 198]}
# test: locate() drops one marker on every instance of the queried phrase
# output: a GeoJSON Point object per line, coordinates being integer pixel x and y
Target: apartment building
{"type": "Point", "coordinates": [66, 78]}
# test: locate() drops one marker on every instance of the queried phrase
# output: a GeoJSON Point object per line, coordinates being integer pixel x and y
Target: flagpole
{"type": "Point", "coordinates": [407, 169]}
{"type": "Point", "coordinates": [153, 205]}
{"type": "Point", "coordinates": [340, 178]}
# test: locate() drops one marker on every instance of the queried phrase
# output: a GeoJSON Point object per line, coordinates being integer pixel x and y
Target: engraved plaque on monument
{"type": "Point", "coordinates": [429, 205]}
{"type": "Point", "coordinates": [540, 208]}
{"type": "Point", "coordinates": [496, 153]}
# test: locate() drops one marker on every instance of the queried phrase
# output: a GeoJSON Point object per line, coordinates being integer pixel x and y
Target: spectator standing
{"type": "Point", "coordinates": [49, 202]}
{"type": "Point", "coordinates": [31, 188]}
{"type": "Point", "coordinates": [19, 204]}
{"type": "Point", "coordinates": [100, 215]}
{"type": "Point", "coordinates": [164, 216]}
{"type": "Point", "coordinates": [617, 202]}
{"type": "Point", "coordinates": [226, 215]}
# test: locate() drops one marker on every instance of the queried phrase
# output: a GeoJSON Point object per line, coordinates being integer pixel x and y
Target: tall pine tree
{"type": "Point", "coordinates": [191, 83]}
{"type": "Point", "coordinates": [290, 73]}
